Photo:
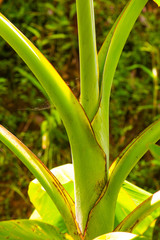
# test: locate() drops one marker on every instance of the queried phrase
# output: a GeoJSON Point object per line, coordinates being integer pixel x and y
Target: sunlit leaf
{"type": "Point", "coordinates": [142, 215]}
{"type": "Point", "coordinates": [129, 198]}
{"type": "Point", "coordinates": [28, 230]}
{"type": "Point", "coordinates": [46, 211]}
{"type": "Point", "coordinates": [119, 236]}
{"type": "Point", "coordinates": [157, 1]}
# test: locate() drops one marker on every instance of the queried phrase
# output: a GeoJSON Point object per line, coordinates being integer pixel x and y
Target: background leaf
{"type": "Point", "coordinates": [155, 151]}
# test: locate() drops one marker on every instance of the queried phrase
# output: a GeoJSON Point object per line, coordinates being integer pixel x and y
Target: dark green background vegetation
{"type": "Point", "coordinates": [25, 111]}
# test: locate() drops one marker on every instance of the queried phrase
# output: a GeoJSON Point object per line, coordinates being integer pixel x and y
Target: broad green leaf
{"type": "Point", "coordinates": [129, 198]}
{"type": "Point", "coordinates": [28, 230]}
{"type": "Point", "coordinates": [120, 236]}
{"type": "Point", "coordinates": [85, 155]}
{"type": "Point", "coordinates": [146, 208]}
{"type": "Point", "coordinates": [157, 1]}
{"type": "Point", "coordinates": [46, 209]}
{"type": "Point", "coordinates": [89, 97]}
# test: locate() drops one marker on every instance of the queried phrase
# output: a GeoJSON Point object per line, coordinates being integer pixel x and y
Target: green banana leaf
{"type": "Point", "coordinates": [120, 236]}
{"type": "Point", "coordinates": [129, 198]}
{"type": "Point", "coordinates": [28, 230]}
{"type": "Point", "coordinates": [46, 211]}
{"type": "Point", "coordinates": [140, 216]}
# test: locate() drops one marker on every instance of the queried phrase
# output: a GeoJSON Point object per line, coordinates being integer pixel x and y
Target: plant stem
{"type": "Point", "coordinates": [86, 152]}
{"type": "Point", "coordinates": [88, 57]}
{"type": "Point", "coordinates": [119, 171]}
{"type": "Point", "coordinates": [108, 60]}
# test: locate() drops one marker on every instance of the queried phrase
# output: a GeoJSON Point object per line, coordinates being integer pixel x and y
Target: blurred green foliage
{"type": "Point", "coordinates": [26, 111]}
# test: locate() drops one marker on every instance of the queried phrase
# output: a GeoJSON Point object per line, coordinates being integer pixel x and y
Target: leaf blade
{"type": "Point", "coordinates": [140, 213]}
{"type": "Point", "coordinates": [108, 59]}
{"type": "Point", "coordinates": [53, 187]}
{"type": "Point", "coordinates": [119, 170]}
{"type": "Point", "coordinates": [129, 198]}
{"type": "Point", "coordinates": [28, 230]}
{"type": "Point", "coordinates": [42, 202]}
{"type": "Point", "coordinates": [155, 150]}
{"type": "Point", "coordinates": [120, 236]}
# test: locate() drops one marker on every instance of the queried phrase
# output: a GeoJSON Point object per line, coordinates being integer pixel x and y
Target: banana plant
{"type": "Point", "coordinates": [89, 199]}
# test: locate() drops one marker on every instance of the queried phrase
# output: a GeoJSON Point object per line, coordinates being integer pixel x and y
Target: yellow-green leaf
{"type": "Point", "coordinates": [157, 1]}
{"type": "Point", "coordinates": [28, 230]}
{"type": "Point", "coordinates": [45, 208]}
{"type": "Point", "coordinates": [119, 236]}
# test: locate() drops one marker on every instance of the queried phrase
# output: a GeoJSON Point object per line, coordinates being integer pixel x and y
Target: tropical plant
{"type": "Point", "coordinates": [88, 199]}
